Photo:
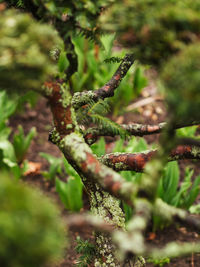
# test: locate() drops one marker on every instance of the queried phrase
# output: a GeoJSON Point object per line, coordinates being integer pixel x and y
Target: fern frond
{"type": "Point", "coordinates": [16, 3]}
{"type": "Point", "coordinates": [91, 35]}
{"type": "Point", "coordinates": [20, 3]}
{"type": "Point", "coordinates": [83, 114]}
{"type": "Point", "coordinates": [87, 250]}
{"type": "Point", "coordinates": [101, 107]}
{"type": "Point", "coordinates": [112, 126]}
{"type": "Point", "coordinates": [113, 60]}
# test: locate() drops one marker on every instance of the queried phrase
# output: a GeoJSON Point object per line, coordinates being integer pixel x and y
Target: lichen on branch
{"type": "Point", "coordinates": [82, 98]}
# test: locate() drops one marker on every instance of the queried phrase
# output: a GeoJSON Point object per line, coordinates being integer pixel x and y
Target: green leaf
{"type": "Point", "coordinates": [4, 131]}
{"type": "Point", "coordinates": [187, 131]}
{"type": "Point", "coordinates": [70, 193]}
{"type": "Point", "coordinates": [119, 146]}
{"type": "Point", "coordinates": [193, 193]}
{"type": "Point", "coordinates": [139, 81]}
{"type": "Point", "coordinates": [179, 199]}
{"type": "Point", "coordinates": [7, 106]}
{"type": "Point", "coordinates": [107, 42]}
{"type": "Point", "coordinates": [8, 153]}
{"type": "Point", "coordinates": [127, 210]}
{"type": "Point", "coordinates": [21, 142]}
{"type": "Point", "coordinates": [55, 166]}
{"type": "Point", "coordinates": [136, 145]}
{"type": "Point", "coordinates": [62, 62]}
{"type": "Point", "coordinates": [170, 181]}
{"type": "Point", "coordinates": [69, 169]}
{"type": "Point", "coordinates": [99, 148]}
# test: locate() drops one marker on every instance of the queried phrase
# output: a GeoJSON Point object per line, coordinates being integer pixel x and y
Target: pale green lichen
{"type": "Point", "coordinates": [102, 203]}
{"type": "Point", "coordinates": [83, 98]}
{"type": "Point", "coordinates": [74, 145]}
{"type": "Point", "coordinates": [47, 91]}
{"type": "Point", "coordinates": [120, 165]}
{"type": "Point", "coordinates": [195, 151]}
{"type": "Point", "coordinates": [66, 96]}
{"type": "Point", "coordinates": [167, 212]}
{"type": "Point", "coordinates": [108, 208]}
{"type": "Point", "coordinates": [55, 137]}
{"type": "Point", "coordinates": [74, 120]}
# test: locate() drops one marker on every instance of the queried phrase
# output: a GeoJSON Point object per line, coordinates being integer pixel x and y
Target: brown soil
{"type": "Point", "coordinates": [40, 117]}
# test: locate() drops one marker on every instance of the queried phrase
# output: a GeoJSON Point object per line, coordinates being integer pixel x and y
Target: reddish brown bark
{"type": "Point", "coordinates": [137, 161]}
{"type": "Point", "coordinates": [61, 115]}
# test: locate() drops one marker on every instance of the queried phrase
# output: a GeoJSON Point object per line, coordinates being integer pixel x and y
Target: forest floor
{"type": "Point", "coordinates": [40, 117]}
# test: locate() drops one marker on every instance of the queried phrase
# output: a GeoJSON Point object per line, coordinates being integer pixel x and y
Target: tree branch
{"type": "Point", "coordinates": [137, 161]}
{"type": "Point", "coordinates": [80, 156]}
{"type": "Point", "coordinates": [134, 129]}
{"type": "Point", "coordinates": [173, 214]}
{"type": "Point", "coordinates": [85, 220]}
{"type": "Point", "coordinates": [82, 98]}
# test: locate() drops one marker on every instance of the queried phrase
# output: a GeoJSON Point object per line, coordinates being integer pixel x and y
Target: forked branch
{"type": "Point", "coordinates": [82, 98]}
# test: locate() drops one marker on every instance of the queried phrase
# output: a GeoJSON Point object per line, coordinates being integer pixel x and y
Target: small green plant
{"type": "Point", "coordinates": [55, 167]}
{"type": "Point", "coordinates": [32, 233]}
{"type": "Point", "coordinates": [12, 154]}
{"type": "Point", "coordinates": [21, 143]}
{"type": "Point", "coordinates": [87, 250]}
{"type": "Point", "coordinates": [8, 106]}
{"type": "Point", "coordinates": [183, 195]}
{"type": "Point", "coordinates": [71, 191]}
{"type": "Point", "coordinates": [176, 193]}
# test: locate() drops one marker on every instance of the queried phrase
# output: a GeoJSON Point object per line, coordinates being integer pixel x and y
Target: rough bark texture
{"type": "Point", "coordinates": [137, 161]}
{"type": "Point", "coordinates": [80, 99]}
{"type": "Point", "coordinates": [79, 154]}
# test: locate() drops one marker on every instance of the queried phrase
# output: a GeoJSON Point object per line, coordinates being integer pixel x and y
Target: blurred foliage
{"type": "Point", "coordinates": [21, 142]}
{"type": "Point", "coordinates": [187, 131]}
{"type": "Point", "coordinates": [72, 187]}
{"type": "Point", "coordinates": [181, 77]}
{"type": "Point", "coordinates": [77, 16]}
{"type": "Point", "coordinates": [159, 262]}
{"type": "Point", "coordinates": [177, 193]}
{"type": "Point", "coordinates": [25, 45]}
{"type": "Point", "coordinates": [12, 154]}
{"type": "Point", "coordinates": [31, 232]}
{"type": "Point", "coordinates": [154, 29]}
{"type": "Point", "coordinates": [55, 167]}
{"type": "Point", "coordinates": [181, 193]}
{"type": "Point", "coordinates": [68, 187]}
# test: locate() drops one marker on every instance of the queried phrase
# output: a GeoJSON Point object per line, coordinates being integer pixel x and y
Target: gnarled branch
{"type": "Point", "coordinates": [82, 98]}
{"type": "Point", "coordinates": [137, 161]}
{"type": "Point", "coordinates": [135, 129]}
